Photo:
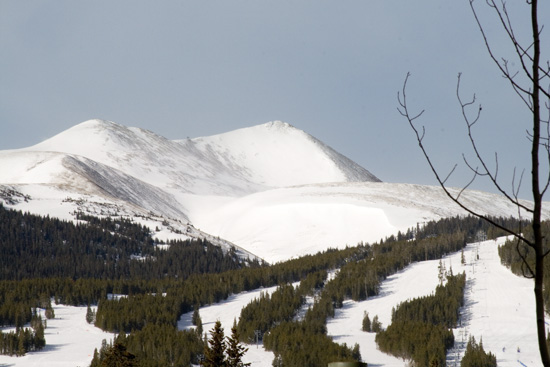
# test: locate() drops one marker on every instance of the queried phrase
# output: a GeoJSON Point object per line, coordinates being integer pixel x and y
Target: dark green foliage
{"type": "Point", "coordinates": [135, 311]}
{"type": "Point", "coordinates": [416, 340]}
{"type": "Point", "coordinates": [366, 323]}
{"type": "Point", "coordinates": [95, 360]}
{"type": "Point", "coordinates": [376, 325]}
{"type": "Point", "coordinates": [22, 340]}
{"type": "Point", "coordinates": [49, 313]}
{"type": "Point", "coordinates": [196, 320]}
{"type": "Point", "coordinates": [90, 315]}
{"type": "Point", "coordinates": [156, 346]}
{"type": "Point", "coordinates": [360, 278]}
{"type": "Point", "coordinates": [163, 345]}
{"type": "Point", "coordinates": [475, 355]}
{"type": "Point", "coordinates": [421, 328]}
{"type": "Point", "coordinates": [264, 312]}
{"type": "Point", "coordinates": [43, 247]}
{"type": "Point", "coordinates": [118, 356]}
{"type": "Point", "coordinates": [296, 344]}
{"type": "Point", "coordinates": [214, 351]}
{"type": "Point", "coordinates": [443, 307]}
{"type": "Point", "coordinates": [235, 350]}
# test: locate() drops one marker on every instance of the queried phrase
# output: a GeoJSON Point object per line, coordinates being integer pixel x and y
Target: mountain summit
{"type": "Point", "coordinates": [272, 189]}
{"type": "Point", "coordinates": [243, 161]}
{"type": "Point", "coordinates": [277, 154]}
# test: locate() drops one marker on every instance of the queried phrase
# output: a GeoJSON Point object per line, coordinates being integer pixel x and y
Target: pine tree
{"type": "Point", "coordinates": [90, 315]}
{"type": "Point", "coordinates": [50, 314]}
{"type": "Point", "coordinates": [118, 356]}
{"type": "Point", "coordinates": [441, 272]}
{"type": "Point", "coordinates": [196, 320]}
{"type": "Point", "coordinates": [95, 360]}
{"type": "Point", "coordinates": [376, 325]}
{"type": "Point", "coordinates": [214, 352]}
{"type": "Point", "coordinates": [475, 355]}
{"type": "Point", "coordinates": [366, 322]}
{"type": "Point", "coordinates": [235, 351]}
{"type": "Point", "coordinates": [196, 316]}
{"type": "Point", "coordinates": [39, 338]}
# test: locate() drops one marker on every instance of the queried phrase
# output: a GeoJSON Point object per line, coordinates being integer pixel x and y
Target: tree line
{"type": "Point", "coordinates": [107, 248]}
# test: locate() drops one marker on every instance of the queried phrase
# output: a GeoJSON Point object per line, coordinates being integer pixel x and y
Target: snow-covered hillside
{"type": "Point", "coordinates": [302, 220]}
{"type": "Point", "coordinates": [243, 161]}
{"type": "Point", "coordinates": [271, 189]}
{"type": "Point", "coordinates": [277, 154]}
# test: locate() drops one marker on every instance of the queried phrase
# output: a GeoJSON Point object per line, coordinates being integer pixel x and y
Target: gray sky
{"type": "Point", "coordinates": [332, 68]}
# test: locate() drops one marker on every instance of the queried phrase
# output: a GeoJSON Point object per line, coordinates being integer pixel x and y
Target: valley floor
{"type": "Point", "coordinates": [499, 309]}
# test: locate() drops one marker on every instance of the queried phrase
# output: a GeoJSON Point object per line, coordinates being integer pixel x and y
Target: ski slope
{"type": "Point", "coordinates": [70, 341]}
{"type": "Point", "coordinates": [499, 309]}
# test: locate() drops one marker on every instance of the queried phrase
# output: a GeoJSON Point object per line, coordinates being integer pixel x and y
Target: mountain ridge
{"type": "Point", "coordinates": [272, 189]}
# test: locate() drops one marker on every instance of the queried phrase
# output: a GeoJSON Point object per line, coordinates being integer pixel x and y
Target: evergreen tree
{"type": "Point", "coordinates": [475, 355]}
{"type": "Point", "coordinates": [376, 325]}
{"type": "Point", "coordinates": [214, 352]}
{"type": "Point", "coordinates": [366, 323]}
{"type": "Point", "coordinates": [90, 315]}
{"type": "Point", "coordinates": [441, 272]}
{"type": "Point", "coordinates": [95, 360]}
{"type": "Point", "coordinates": [118, 356]}
{"type": "Point", "coordinates": [196, 320]}
{"type": "Point", "coordinates": [235, 351]}
{"type": "Point", "coordinates": [50, 314]}
{"type": "Point", "coordinates": [39, 338]}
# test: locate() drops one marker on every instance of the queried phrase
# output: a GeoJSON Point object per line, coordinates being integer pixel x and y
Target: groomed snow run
{"type": "Point", "coordinates": [70, 341]}
{"type": "Point", "coordinates": [499, 308]}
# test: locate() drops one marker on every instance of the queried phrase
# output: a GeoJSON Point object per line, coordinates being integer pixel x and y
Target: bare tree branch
{"type": "Point", "coordinates": [404, 110]}
{"type": "Point", "coordinates": [486, 171]}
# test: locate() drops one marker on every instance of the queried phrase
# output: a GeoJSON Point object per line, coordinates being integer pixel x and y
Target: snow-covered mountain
{"type": "Point", "coordinates": [240, 162]}
{"type": "Point", "coordinates": [271, 189]}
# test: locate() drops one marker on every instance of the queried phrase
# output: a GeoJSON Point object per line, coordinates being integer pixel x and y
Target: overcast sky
{"type": "Point", "coordinates": [331, 68]}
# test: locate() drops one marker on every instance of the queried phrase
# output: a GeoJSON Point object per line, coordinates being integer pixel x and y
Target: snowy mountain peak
{"type": "Point", "coordinates": [277, 154]}
{"type": "Point", "coordinates": [96, 138]}
{"type": "Point", "coordinates": [278, 125]}
{"type": "Point", "coordinates": [239, 162]}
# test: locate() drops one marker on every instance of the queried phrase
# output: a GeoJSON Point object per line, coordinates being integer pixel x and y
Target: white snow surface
{"type": "Point", "coordinates": [70, 341]}
{"type": "Point", "coordinates": [295, 221]}
{"type": "Point", "coordinates": [272, 190]}
{"type": "Point", "coordinates": [243, 161]}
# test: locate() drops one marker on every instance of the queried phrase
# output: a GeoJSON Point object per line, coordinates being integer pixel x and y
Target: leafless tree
{"type": "Point", "coordinates": [528, 80]}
